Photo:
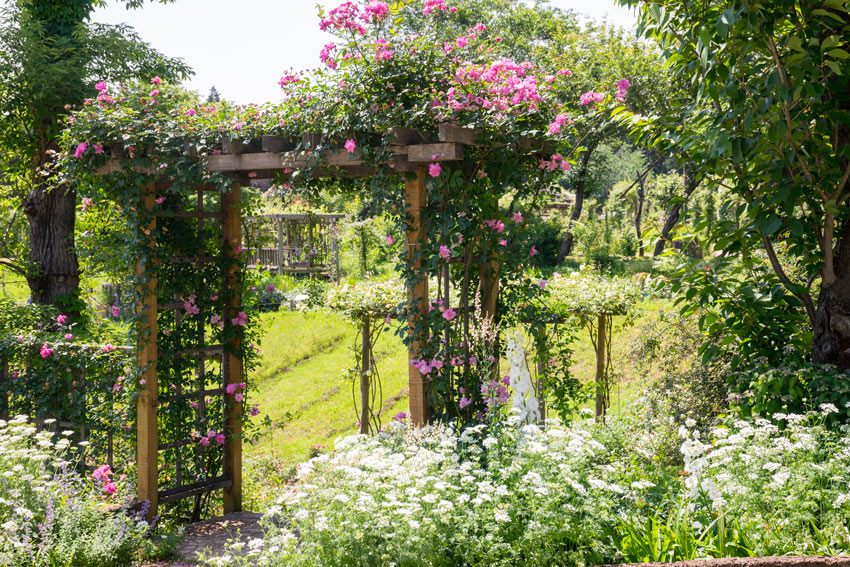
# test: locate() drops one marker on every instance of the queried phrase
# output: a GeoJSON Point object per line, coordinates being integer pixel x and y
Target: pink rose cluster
{"type": "Point", "coordinates": [210, 436]}
{"type": "Point", "coordinates": [591, 98]}
{"type": "Point", "coordinates": [190, 307]}
{"type": "Point", "coordinates": [503, 85]}
{"type": "Point", "coordinates": [560, 120]}
{"type": "Point", "coordinates": [103, 94]}
{"type": "Point", "coordinates": [288, 79]}
{"type": "Point", "coordinates": [495, 224]}
{"type": "Point", "coordinates": [237, 390]}
{"type": "Point", "coordinates": [240, 320]}
{"type": "Point", "coordinates": [45, 351]}
{"type": "Point", "coordinates": [431, 5]}
{"type": "Point", "coordinates": [557, 162]}
{"type": "Point", "coordinates": [348, 17]}
{"type": "Point", "coordinates": [101, 474]}
{"type": "Point", "coordinates": [426, 366]}
{"type": "Point", "coordinates": [325, 55]}
{"type": "Point", "coordinates": [383, 51]}
{"type": "Point", "coordinates": [622, 89]}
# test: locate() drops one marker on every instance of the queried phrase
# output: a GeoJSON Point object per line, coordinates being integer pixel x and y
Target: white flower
{"type": "Point", "coordinates": [501, 515]}
{"type": "Point", "coordinates": [690, 422]}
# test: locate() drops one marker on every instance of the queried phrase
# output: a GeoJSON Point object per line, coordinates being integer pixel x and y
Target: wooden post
{"type": "Point", "coordinates": [280, 262]}
{"type": "Point", "coordinates": [232, 364]}
{"type": "Point", "coordinates": [4, 393]}
{"type": "Point", "coordinates": [147, 435]}
{"type": "Point", "coordinates": [417, 294]}
{"type": "Point", "coordinates": [335, 248]}
{"type": "Point", "coordinates": [541, 369]}
{"type": "Point", "coordinates": [365, 378]}
{"type": "Point", "coordinates": [601, 335]}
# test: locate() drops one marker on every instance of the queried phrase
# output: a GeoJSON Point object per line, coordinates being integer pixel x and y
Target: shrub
{"type": "Point", "coordinates": [51, 515]}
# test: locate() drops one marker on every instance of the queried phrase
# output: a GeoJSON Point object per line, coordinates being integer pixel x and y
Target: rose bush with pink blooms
{"type": "Point", "coordinates": [377, 75]}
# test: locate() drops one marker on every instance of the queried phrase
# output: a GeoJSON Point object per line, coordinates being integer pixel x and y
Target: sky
{"type": "Point", "coordinates": [244, 46]}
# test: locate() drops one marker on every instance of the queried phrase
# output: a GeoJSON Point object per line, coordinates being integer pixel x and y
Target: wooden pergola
{"type": "Point", "coordinates": [410, 152]}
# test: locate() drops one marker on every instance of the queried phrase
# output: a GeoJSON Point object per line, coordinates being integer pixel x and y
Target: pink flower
{"type": "Point", "coordinates": [68, 336]}
{"type": "Point", "coordinates": [239, 397]}
{"type": "Point", "coordinates": [623, 88]}
{"type": "Point", "coordinates": [191, 112]}
{"type": "Point", "coordinates": [590, 98]}
{"type": "Point", "coordinates": [390, 240]}
{"type": "Point", "coordinates": [462, 41]}
{"type": "Point", "coordinates": [81, 149]}
{"type": "Point", "coordinates": [325, 55]}
{"type": "Point", "coordinates": [464, 401]}
{"type": "Point", "coordinates": [444, 251]}
{"type": "Point", "coordinates": [107, 348]}
{"type": "Point", "coordinates": [154, 93]}
{"type": "Point", "coordinates": [204, 441]}
{"type": "Point", "coordinates": [219, 438]}
{"type": "Point", "coordinates": [156, 81]}
{"type": "Point", "coordinates": [252, 174]}
{"type": "Point", "coordinates": [101, 473]}
{"type": "Point", "coordinates": [110, 488]}
{"type": "Point", "coordinates": [160, 200]}
{"type": "Point", "coordinates": [287, 79]}
{"type": "Point", "coordinates": [542, 284]}
{"type": "Point", "coordinates": [240, 320]}
{"type": "Point", "coordinates": [554, 128]}
{"type": "Point", "coordinates": [377, 10]}
{"type": "Point", "coordinates": [350, 145]}
{"type": "Point", "coordinates": [231, 388]}
{"type": "Point", "coordinates": [533, 251]}
{"type": "Point", "coordinates": [98, 149]}
{"type": "Point", "coordinates": [61, 319]}
{"type": "Point", "coordinates": [270, 287]}
{"type": "Point", "coordinates": [503, 242]}
{"type": "Point", "coordinates": [86, 203]}
{"type": "Point", "coordinates": [431, 5]}
{"type": "Point", "coordinates": [255, 410]}
{"type": "Point", "coordinates": [449, 314]}
{"type": "Point", "coordinates": [45, 351]}
{"type": "Point", "coordinates": [517, 218]}
{"type": "Point", "coordinates": [115, 312]}
{"type": "Point", "coordinates": [101, 87]}
{"type": "Point", "coordinates": [434, 170]}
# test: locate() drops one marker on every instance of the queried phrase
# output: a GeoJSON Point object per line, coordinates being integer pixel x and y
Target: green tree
{"type": "Point", "coordinates": [772, 125]}
{"type": "Point", "coordinates": [50, 57]}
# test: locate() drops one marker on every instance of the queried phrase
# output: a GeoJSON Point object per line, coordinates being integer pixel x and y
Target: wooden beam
{"type": "Point", "coordinates": [407, 136]}
{"type": "Point", "coordinates": [231, 203]}
{"type": "Point", "coordinates": [417, 294]}
{"type": "Point", "coordinates": [277, 143]}
{"type": "Point", "coordinates": [426, 153]}
{"type": "Point", "coordinates": [147, 436]}
{"type": "Point", "coordinates": [458, 134]}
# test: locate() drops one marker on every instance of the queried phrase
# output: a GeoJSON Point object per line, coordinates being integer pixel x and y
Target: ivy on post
{"type": "Point", "coordinates": [417, 293]}
{"type": "Point", "coordinates": [147, 438]}
{"type": "Point", "coordinates": [231, 205]}
{"type": "Point", "coordinates": [365, 374]}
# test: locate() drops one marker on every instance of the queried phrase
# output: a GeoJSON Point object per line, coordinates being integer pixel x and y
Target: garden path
{"type": "Point", "coordinates": [208, 537]}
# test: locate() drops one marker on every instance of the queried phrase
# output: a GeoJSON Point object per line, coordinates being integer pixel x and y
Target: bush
{"type": "Point", "coordinates": [51, 515]}
{"type": "Point", "coordinates": [546, 235]}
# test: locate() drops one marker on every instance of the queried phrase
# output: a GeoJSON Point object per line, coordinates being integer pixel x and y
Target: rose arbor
{"type": "Point", "coordinates": [453, 140]}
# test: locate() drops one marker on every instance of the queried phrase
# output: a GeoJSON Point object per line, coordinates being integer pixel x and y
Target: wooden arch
{"type": "Point", "coordinates": [410, 152]}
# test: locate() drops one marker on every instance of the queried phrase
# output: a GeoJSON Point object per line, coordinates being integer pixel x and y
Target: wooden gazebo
{"type": "Point", "coordinates": [294, 243]}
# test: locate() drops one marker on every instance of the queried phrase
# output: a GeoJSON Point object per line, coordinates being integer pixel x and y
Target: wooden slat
{"type": "Point", "coordinates": [444, 151]}
{"type": "Point", "coordinates": [146, 413]}
{"type": "Point", "coordinates": [342, 157]}
{"type": "Point", "coordinates": [407, 136]}
{"type": "Point", "coordinates": [197, 394]}
{"type": "Point", "coordinates": [186, 490]}
{"type": "Point", "coordinates": [311, 140]}
{"type": "Point", "coordinates": [277, 143]}
{"type": "Point", "coordinates": [458, 134]}
{"type": "Point", "coordinates": [190, 214]}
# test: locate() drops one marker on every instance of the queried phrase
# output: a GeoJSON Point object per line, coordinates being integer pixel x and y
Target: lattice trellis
{"type": "Point", "coordinates": [188, 379]}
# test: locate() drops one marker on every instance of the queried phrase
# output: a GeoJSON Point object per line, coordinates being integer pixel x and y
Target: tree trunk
{"type": "Point", "coordinates": [54, 271]}
{"type": "Point", "coordinates": [691, 183]}
{"type": "Point", "coordinates": [641, 197]}
{"type": "Point", "coordinates": [831, 340]}
{"type": "Point", "coordinates": [567, 242]}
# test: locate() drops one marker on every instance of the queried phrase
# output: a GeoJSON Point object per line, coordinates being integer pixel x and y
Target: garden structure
{"type": "Point", "coordinates": [295, 243]}
{"type": "Point", "coordinates": [411, 152]}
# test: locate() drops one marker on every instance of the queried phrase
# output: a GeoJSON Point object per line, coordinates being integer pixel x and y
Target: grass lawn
{"type": "Point", "coordinates": [299, 384]}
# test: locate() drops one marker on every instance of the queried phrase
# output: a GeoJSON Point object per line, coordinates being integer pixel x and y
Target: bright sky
{"type": "Point", "coordinates": [243, 46]}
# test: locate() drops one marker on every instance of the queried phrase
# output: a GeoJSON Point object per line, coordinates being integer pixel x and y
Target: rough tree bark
{"type": "Point", "coordinates": [54, 270]}
{"type": "Point", "coordinates": [578, 186]}
{"type": "Point", "coordinates": [691, 182]}
{"type": "Point", "coordinates": [641, 197]}
{"type": "Point", "coordinates": [831, 325]}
